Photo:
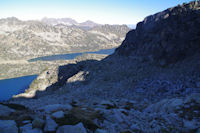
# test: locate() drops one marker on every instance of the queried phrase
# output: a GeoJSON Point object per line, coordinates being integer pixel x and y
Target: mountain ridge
{"type": "Point", "coordinates": [150, 39]}
{"type": "Point", "coordinates": [34, 38]}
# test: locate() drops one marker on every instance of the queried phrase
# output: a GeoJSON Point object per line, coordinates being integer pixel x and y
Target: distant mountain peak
{"type": "Point", "coordinates": [56, 21]}
{"type": "Point", "coordinates": [11, 19]}
{"type": "Point", "coordinates": [88, 23]}
{"type": "Point", "coordinates": [68, 22]}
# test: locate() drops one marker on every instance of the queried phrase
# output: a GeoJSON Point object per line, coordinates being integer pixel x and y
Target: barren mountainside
{"type": "Point", "coordinates": [165, 37]}
{"type": "Point", "coordinates": [25, 39]}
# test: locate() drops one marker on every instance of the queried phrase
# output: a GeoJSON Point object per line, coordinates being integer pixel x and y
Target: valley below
{"type": "Point", "coordinates": [23, 41]}
{"type": "Point", "coordinates": [17, 68]}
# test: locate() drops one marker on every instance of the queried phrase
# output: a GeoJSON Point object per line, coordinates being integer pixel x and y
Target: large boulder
{"type": "Point", "coordinates": [8, 126]}
{"type": "Point", "coordinates": [58, 114]}
{"type": "Point", "coordinates": [165, 37]}
{"type": "Point", "coordinates": [38, 123]}
{"type": "Point", "coordinates": [79, 128]}
{"type": "Point", "coordinates": [50, 125]}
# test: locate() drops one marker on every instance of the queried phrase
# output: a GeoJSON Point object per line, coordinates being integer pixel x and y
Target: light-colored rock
{"type": "Point", "coordinates": [8, 126]}
{"type": "Point", "coordinates": [26, 122]}
{"type": "Point", "coordinates": [5, 111]}
{"type": "Point", "coordinates": [50, 125]}
{"type": "Point", "coordinates": [38, 123]}
{"type": "Point", "coordinates": [59, 114]}
{"type": "Point", "coordinates": [101, 131]}
{"type": "Point", "coordinates": [67, 107]}
{"type": "Point", "coordinates": [79, 128]}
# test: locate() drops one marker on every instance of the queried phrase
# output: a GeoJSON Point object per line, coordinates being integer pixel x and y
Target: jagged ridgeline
{"type": "Point", "coordinates": [25, 39]}
{"type": "Point", "coordinates": [165, 37]}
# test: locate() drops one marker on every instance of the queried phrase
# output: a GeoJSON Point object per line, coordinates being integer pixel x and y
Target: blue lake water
{"type": "Point", "coordinates": [71, 56]}
{"type": "Point", "coordinates": [13, 86]}
{"type": "Point", "coordinates": [10, 87]}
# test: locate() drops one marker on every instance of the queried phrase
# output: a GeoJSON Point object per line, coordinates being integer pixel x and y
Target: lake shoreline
{"type": "Point", "coordinates": [14, 86]}
{"type": "Point", "coordinates": [19, 68]}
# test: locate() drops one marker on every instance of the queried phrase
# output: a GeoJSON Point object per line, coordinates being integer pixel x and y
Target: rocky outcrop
{"type": "Point", "coordinates": [50, 125]}
{"type": "Point", "coordinates": [79, 128]}
{"type": "Point", "coordinates": [165, 37]}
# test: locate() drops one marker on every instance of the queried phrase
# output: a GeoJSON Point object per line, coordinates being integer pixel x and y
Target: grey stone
{"type": "Point", "coordinates": [67, 107]}
{"type": "Point", "coordinates": [50, 125]}
{"type": "Point", "coordinates": [59, 114]}
{"type": "Point", "coordinates": [79, 128]}
{"type": "Point", "coordinates": [134, 127]}
{"type": "Point", "coordinates": [38, 123]}
{"type": "Point", "coordinates": [100, 131]}
{"type": "Point", "coordinates": [8, 126]}
{"type": "Point", "coordinates": [56, 107]}
{"type": "Point", "coordinates": [191, 125]}
{"type": "Point", "coordinates": [118, 116]}
{"type": "Point", "coordinates": [5, 111]}
{"type": "Point", "coordinates": [28, 129]}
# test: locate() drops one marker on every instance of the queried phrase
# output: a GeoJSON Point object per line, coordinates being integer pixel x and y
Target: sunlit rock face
{"type": "Point", "coordinates": [28, 39]}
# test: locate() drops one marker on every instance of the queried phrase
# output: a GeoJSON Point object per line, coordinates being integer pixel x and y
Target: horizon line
{"type": "Point", "coordinates": [40, 19]}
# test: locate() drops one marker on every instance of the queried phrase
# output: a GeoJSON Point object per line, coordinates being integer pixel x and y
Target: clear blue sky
{"type": "Point", "coordinates": [101, 11]}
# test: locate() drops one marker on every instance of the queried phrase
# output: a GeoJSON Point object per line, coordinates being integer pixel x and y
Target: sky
{"type": "Point", "coordinates": [100, 11]}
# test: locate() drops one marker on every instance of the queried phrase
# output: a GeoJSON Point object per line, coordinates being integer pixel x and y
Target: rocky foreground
{"type": "Point", "coordinates": [151, 84]}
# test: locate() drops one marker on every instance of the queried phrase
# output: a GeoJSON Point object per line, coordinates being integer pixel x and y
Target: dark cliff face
{"type": "Point", "coordinates": [168, 36]}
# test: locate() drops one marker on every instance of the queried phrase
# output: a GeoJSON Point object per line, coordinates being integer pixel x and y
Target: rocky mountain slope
{"type": "Point", "coordinates": [133, 90]}
{"type": "Point", "coordinates": [25, 39]}
{"type": "Point", "coordinates": [163, 37]}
